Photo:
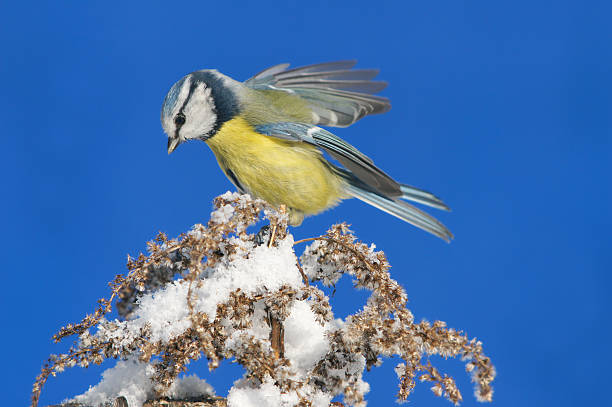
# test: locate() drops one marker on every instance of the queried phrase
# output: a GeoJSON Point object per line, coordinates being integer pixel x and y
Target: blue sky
{"type": "Point", "coordinates": [503, 110]}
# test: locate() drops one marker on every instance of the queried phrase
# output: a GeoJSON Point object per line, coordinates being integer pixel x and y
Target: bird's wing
{"type": "Point", "coordinates": [336, 95]}
{"type": "Point", "coordinates": [359, 165]}
{"type": "Point", "coordinates": [365, 180]}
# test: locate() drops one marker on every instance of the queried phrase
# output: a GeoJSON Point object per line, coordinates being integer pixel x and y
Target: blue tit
{"type": "Point", "coordinates": [266, 137]}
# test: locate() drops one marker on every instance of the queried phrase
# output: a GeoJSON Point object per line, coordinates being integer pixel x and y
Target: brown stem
{"type": "Point", "coordinates": [277, 336]}
{"type": "Point", "coordinates": [304, 278]}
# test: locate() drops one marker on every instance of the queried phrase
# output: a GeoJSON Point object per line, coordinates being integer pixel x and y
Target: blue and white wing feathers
{"type": "Point", "coordinates": [365, 180]}
{"type": "Point", "coordinates": [337, 95]}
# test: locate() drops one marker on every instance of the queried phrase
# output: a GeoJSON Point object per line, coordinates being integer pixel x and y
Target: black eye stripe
{"type": "Point", "coordinates": [179, 119]}
{"type": "Point", "coordinates": [192, 87]}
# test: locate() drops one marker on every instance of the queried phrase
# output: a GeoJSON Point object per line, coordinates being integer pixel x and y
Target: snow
{"type": "Point", "coordinates": [127, 378]}
{"type": "Point", "coordinates": [188, 387]}
{"type": "Point", "coordinates": [253, 287]}
{"type": "Point", "coordinates": [305, 339]}
{"type": "Point", "coordinates": [326, 273]}
{"type": "Point", "coordinates": [223, 214]}
{"type": "Point", "coordinates": [266, 269]}
{"type": "Point", "coordinates": [132, 380]}
{"type": "Point", "coordinates": [269, 395]}
{"type": "Point", "coordinates": [164, 314]}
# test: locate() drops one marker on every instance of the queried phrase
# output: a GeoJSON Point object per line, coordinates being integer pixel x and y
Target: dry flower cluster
{"type": "Point", "coordinates": [253, 323]}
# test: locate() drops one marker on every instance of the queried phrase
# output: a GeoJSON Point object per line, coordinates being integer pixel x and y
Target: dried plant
{"type": "Point", "coordinates": [259, 320]}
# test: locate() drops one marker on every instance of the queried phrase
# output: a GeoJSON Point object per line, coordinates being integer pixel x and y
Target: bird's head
{"type": "Point", "coordinates": [196, 106]}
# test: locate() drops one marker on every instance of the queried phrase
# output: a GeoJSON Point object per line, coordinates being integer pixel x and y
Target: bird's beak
{"type": "Point", "coordinates": [173, 142]}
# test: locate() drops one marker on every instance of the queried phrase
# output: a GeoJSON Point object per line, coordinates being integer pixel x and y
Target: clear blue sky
{"type": "Point", "coordinates": [503, 110]}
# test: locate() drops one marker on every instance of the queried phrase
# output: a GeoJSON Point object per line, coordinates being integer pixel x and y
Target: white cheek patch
{"type": "Point", "coordinates": [200, 114]}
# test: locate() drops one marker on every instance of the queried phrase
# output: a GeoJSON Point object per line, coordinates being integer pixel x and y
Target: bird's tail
{"type": "Point", "coordinates": [404, 210]}
{"type": "Point", "coordinates": [423, 197]}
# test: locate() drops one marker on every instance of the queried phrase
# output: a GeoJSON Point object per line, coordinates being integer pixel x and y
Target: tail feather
{"type": "Point", "coordinates": [423, 197]}
{"type": "Point", "coordinates": [403, 211]}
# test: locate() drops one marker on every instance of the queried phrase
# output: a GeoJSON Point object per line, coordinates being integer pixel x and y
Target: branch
{"type": "Point", "coordinates": [208, 402]}
{"type": "Point", "coordinates": [163, 402]}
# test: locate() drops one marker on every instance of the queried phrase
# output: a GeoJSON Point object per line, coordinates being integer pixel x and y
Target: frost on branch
{"type": "Point", "coordinates": [221, 292]}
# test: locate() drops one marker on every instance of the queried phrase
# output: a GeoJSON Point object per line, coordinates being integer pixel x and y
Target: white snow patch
{"type": "Point", "coordinates": [267, 395]}
{"type": "Point", "coordinates": [188, 387]}
{"type": "Point", "coordinates": [223, 214]}
{"type": "Point", "coordinates": [165, 311]}
{"type": "Point", "coordinates": [266, 269]}
{"type": "Point", "coordinates": [305, 339]}
{"type": "Point", "coordinates": [132, 380]}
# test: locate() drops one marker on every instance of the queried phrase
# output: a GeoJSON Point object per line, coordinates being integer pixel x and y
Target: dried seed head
{"type": "Point", "coordinates": [384, 327]}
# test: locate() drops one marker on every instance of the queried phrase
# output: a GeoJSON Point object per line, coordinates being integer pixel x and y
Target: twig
{"type": "Point", "coordinates": [272, 235]}
{"type": "Point", "coordinates": [277, 336]}
{"type": "Point", "coordinates": [304, 278]}
{"type": "Point", "coordinates": [329, 239]}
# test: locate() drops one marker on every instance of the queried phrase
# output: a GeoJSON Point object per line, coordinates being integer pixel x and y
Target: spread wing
{"type": "Point", "coordinates": [336, 95]}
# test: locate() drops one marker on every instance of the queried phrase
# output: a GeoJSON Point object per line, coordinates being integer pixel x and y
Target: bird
{"type": "Point", "coordinates": [267, 138]}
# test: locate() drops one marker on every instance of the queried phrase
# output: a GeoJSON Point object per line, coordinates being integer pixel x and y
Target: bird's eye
{"type": "Point", "coordinates": [179, 119]}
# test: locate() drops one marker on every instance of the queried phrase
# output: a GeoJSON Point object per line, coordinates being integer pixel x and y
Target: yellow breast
{"type": "Point", "coordinates": [280, 172]}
